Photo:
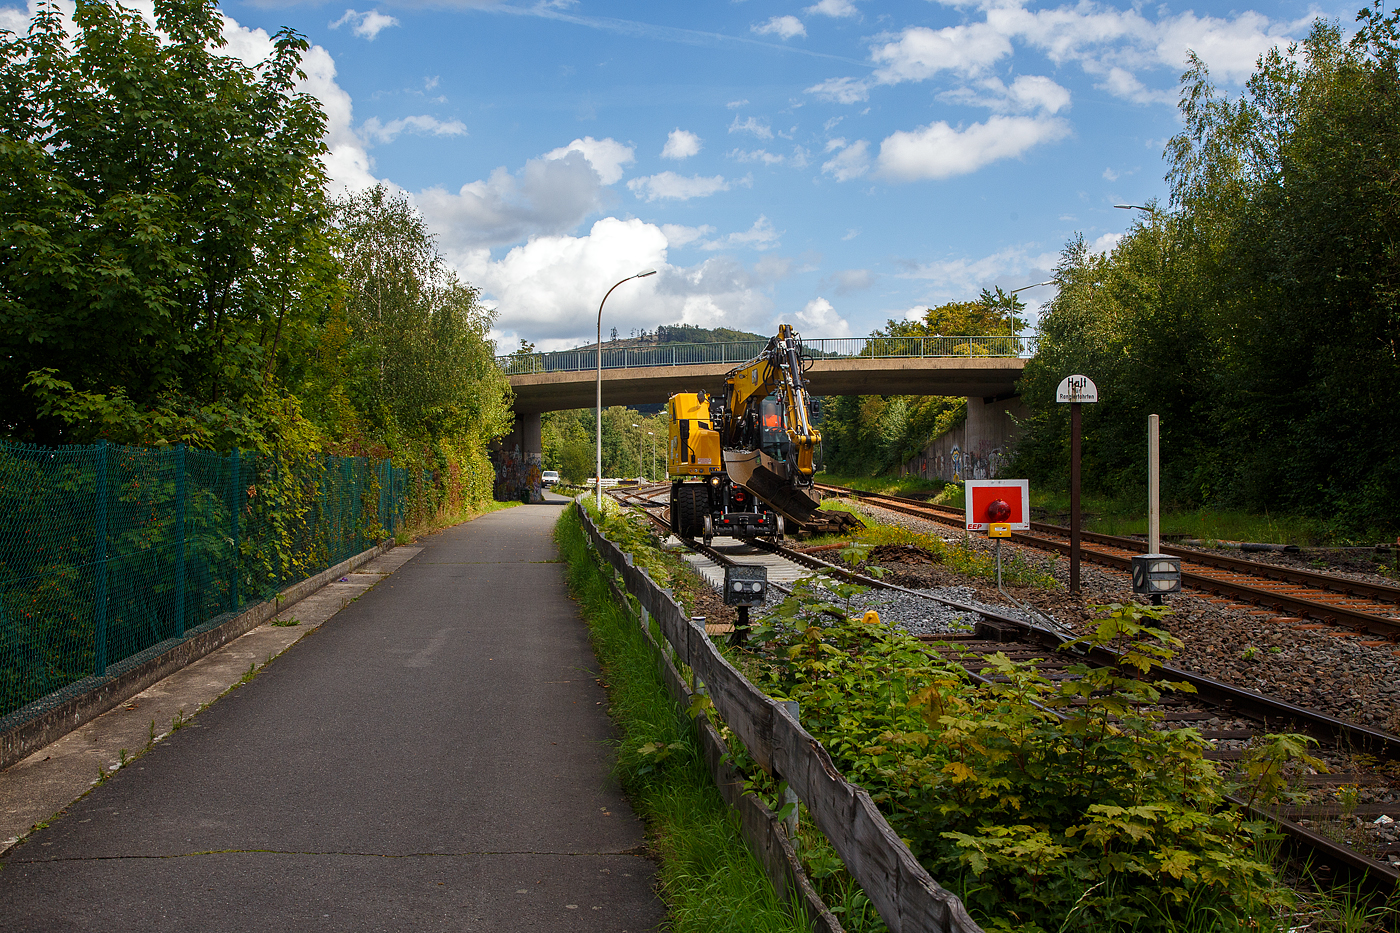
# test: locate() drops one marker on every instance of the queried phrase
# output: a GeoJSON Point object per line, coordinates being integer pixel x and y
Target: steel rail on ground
{"type": "Point", "coordinates": [1331, 613]}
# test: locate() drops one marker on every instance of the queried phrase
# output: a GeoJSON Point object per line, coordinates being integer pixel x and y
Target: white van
{"type": "Point", "coordinates": [550, 477]}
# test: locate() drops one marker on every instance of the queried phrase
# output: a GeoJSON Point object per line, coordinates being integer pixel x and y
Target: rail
{"type": "Point", "coordinates": [837, 348]}
{"type": "Point", "coordinates": [1333, 609]}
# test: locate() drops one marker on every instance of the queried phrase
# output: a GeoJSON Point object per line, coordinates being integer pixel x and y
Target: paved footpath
{"type": "Point", "coordinates": [435, 757]}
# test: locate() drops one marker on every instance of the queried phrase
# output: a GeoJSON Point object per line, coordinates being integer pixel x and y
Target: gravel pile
{"type": "Point", "coordinates": [918, 615]}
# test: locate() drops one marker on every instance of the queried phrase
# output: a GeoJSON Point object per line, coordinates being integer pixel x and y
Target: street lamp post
{"type": "Point", "coordinates": [639, 451]}
{"type": "Point", "coordinates": [598, 465]}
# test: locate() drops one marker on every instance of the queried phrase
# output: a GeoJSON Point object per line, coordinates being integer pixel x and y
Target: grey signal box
{"type": "Point", "coordinates": [745, 585]}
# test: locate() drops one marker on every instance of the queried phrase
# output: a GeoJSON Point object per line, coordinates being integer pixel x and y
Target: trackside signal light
{"type": "Point", "coordinates": [1155, 575]}
{"type": "Point", "coordinates": [998, 510]}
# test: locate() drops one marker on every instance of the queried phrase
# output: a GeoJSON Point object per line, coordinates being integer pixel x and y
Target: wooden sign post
{"type": "Point", "coordinates": [1075, 390]}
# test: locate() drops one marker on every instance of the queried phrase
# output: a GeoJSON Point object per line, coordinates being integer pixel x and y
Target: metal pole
{"type": "Point", "coordinates": [740, 635]}
{"type": "Point", "coordinates": [1154, 480]}
{"type": "Point", "coordinates": [235, 507]}
{"type": "Point", "coordinates": [180, 540]}
{"type": "Point", "coordinates": [99, 641]}
{"type": "Point", "coordinates": [598, 477]}
{"type": "Point", "coordinates": [1074, 498]}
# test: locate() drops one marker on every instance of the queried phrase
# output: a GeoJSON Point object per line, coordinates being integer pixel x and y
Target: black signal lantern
{"type": "Point", "coordinates": [1156, 575]}
{"type": "Point", "coordinates": [745, 585]}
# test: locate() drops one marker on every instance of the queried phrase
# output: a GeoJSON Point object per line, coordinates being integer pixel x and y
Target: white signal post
{"type": "Point", "coordinates": [1154, 484]}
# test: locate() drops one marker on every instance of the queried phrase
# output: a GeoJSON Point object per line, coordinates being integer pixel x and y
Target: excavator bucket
{"type": "Point", "coordinates": [793, 503]}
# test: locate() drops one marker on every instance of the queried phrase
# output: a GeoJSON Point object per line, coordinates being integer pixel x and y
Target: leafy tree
{"type": "Point", "coordinates": [569, 445]}
{"type": "Point", "coordinates": [418, 361]}
{"type": "Point", "coordinates": [162, 226]}
{"type": "Point", "coordinates": [1258, 315]}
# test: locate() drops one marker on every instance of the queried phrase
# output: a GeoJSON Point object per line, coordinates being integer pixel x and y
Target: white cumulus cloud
{"type": "Point", "coordinates": [367, 25]}
{"type": "Point", "coordinates": [756, 155]}
{"type": "Point", "coordinates": [760, 236]}
{"type": "Point", "coordinates": [1127, 51]}
{"type": "Point", "coordinates": [668, 186]}
{"type": "Point", "coordinates": [372, 129]}
{"type": "Point", "coordinates": [679, 235]}
{"type": "Point", "coordinates": [920, 53]}
{"type": "Point", "coordinates": [941, 151]}
{"type": "Point", "coordinates": [819, 319]}
{"type": "Point", "coordinates": [1028, 93]}
{"type": "Point", "coordinates": [14, 19]}
{"type": "Point", "coordinates": [548, 196]}
{"type": "Point", "coordinates": [833, 8]}
{"type": "Point", "coordinates": [757, 127]}
{"type": "Point", "coordinates": [954, 279]}
{"type": "Point", "coordinates": [607, 156]}
{"type": "Point", "coordinates": [1105, 244]}
{"type": "Point", "coordinates": [784, 27]}
{"type": "Point", "coordinates": [547, 290]}
{"type": "Point", "coordinates": [680, 144]}
{"type": "Point", "coordinates": [852, 161]}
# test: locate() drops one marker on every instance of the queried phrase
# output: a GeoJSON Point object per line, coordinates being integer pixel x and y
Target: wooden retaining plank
{"type": "Point", "coordinates": [905, 895]}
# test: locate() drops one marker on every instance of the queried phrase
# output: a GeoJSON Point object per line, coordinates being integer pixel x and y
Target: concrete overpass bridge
{"type": "Point", "coordinates": [983, 368]}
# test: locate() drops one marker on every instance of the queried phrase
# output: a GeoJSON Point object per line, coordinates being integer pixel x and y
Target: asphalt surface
{"type": "Point", "coordinates": [435, 757]}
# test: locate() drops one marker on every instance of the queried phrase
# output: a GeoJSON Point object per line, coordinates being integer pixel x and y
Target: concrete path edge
{"type": "Point", "coordinates": [30, 736]}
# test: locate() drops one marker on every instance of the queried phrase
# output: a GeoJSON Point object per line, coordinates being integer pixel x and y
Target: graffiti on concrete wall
{"type": "Point", "coordinates": [951, 463]}
{"type": "Point", "coordinates": [518, 477]}
{"type": "Point", "coordinates": [978, 449]}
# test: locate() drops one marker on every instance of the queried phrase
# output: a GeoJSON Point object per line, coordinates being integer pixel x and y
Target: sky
{"type": "Point", "coordinates": [829, 163]}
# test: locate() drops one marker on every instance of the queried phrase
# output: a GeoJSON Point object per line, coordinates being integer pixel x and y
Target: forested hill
{"type": "Point", "coordinates": [678, 333]}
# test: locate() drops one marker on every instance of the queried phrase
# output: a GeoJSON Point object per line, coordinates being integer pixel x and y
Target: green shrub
{"type": "Point", "coordinates": [1048, 805]}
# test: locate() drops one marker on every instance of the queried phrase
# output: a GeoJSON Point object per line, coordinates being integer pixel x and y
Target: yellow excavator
{"type": "Point", "coordinates": [741, 461]}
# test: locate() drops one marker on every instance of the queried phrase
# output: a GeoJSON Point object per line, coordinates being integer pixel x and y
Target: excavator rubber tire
{"type": "Point", "coordinates": [691, 505]}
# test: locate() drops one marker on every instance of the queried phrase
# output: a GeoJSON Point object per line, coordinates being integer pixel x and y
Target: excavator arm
{"type": "Point", "coordinates": [775, 371]}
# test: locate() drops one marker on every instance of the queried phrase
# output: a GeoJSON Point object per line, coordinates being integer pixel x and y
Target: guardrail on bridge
{"type": "Point", "coordinates": [736, 352]}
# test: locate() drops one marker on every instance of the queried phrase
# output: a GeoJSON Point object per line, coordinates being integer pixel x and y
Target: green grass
{"type": "Point", "coordinates": [1127, 515]}
{"type": "Point", "coordinates": [708, 878]}
{"type": "Point", "coordinates": [889, 485]}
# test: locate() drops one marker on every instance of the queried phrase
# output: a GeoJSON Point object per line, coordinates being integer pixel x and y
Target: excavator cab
{"type": "Point", "coordinates": [772, 434]}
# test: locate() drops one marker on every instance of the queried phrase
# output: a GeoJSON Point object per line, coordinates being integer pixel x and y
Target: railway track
{"type": "Point", "coordinates": [1368, 608]}
{"type": "Point", "coordinates": [1227, 717]}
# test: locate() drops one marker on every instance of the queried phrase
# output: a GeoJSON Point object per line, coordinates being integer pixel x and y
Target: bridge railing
{"type": "Point", "coordinates": [736, 352]}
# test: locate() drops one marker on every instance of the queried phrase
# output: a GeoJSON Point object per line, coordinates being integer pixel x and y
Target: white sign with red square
{"type": "Point", "coordinates": [991, 501]}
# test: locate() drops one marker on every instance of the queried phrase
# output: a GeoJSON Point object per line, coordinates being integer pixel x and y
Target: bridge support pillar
{"type": "Point", "coordinates": [518, 458]}
{"type": "Point", "coordinates": [976, 449]}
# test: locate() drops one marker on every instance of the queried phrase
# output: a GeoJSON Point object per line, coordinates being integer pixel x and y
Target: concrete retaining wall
{"type": "Point", "coordinates": [976, 449]}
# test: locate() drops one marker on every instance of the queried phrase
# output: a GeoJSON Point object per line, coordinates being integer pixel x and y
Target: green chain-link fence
{"type": "Point", "coordinates": [111, 555]}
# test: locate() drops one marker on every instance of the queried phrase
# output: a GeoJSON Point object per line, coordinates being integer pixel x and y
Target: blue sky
{"type": "Point", "coordinates": [832, 163]}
